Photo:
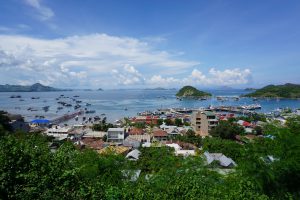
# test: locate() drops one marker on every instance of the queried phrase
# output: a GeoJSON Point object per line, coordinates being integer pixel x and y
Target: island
{"type": "Point", "coordinates": [192, 92]}
{"type": "Point", "coordinates": [250, 89]}
{"type": "Point", "coordinates": [287, 90]}
{"type": "Point", "coordinates": [37, 87]}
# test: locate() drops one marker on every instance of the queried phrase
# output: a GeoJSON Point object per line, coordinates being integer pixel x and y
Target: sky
{"type": "Point", "coordinates": [146, 44]}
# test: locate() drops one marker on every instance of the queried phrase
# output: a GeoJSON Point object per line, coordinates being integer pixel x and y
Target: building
{"type": "Point", "coordinates": [116, 135]}
{"type": "Point", "coordinates": [203, 121]}
{"type": "Point", "coordinates": [58, 132]}
{"type": "Point", "coordinates": [160, 135]}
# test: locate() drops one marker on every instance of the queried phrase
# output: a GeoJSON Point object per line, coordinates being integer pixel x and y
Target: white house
{"type": "Point", "coordinates": [116, 135]}
{"type": "Point", "coordinates": [223, 160]}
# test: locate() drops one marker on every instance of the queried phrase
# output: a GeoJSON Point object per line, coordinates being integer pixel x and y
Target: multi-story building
{"type": "Point", "coordinates": [203, 121]}
{"type": "Point", "coordinates": [116, 135]}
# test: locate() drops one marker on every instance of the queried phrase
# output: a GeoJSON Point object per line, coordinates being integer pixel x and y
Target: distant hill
{"type": "Point", "coordinates": [191, 92]}
{"type": "Point", "coordinates": [287, 90]}
{"type": "Point", "coordinates": [37, 87]}
{"type": "Point", "coordinates": [158, 88]}
{"type": "Point", "coordinates": [250, 89]}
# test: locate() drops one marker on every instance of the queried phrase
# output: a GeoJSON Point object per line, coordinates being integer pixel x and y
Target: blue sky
{"type": "Point", "coordinates": [133, 43]}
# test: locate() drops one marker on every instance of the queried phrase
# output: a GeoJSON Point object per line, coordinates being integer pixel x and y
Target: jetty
{"type": "Point", "coordinates": [66, 117]}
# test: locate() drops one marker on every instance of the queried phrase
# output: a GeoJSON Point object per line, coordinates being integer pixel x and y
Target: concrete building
{"type": "Point", "coordinates": [116, 135]}
{"type": "Point", "coordinates": [203, 121]}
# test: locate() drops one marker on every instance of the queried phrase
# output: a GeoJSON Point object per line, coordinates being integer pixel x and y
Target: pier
{"type": "Point", "coordinates": [66, 117]}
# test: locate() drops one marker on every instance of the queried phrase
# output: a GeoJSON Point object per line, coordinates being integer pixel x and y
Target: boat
{"type": "Point", "coordinates": [103, 114]}
{"type": "Point", "coordinates": [251, 107]}
{"type": "Point", "coordinates": [88, 104]}
{"type": "Point", "coordinates": [78, 101]}
{"type": "Point", "coordinates": [97, 118]}
{"type": "Point", "coordinates": [90, 111]}
{"type": "Point", "coordinates": [77, 106]}
{"type": "Point", "coordinates": [46, 108]}
{"type": "Point", "coordinates": [60, 108]}
{"type": "Point", "coordinates": [15, 96]}
{"type": "Point", "coordinates": [21, 100]}
{"type": "Point", "coordinates": [35, 97]}
{"type": "Point", "coordinates": [75, 96]}
{"type": "Point", "coordinates": [126, 109]}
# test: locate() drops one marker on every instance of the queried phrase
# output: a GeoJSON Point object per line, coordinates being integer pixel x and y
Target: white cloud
{"type": "Point", "coordinates": [100, 60]}
{"type": "Point", "coordinates": [91, 57]}
{"type": "Point", "coordinates": [128, 76]}
{"type": "Point", "coordinates": [43, 12]}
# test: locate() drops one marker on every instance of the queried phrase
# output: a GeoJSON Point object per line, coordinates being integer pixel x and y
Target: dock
{"type": "Point", "coordinates": [66, 117]}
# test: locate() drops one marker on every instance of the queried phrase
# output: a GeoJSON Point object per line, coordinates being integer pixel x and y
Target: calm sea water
{"type": "Point", "coordinates": [123, 103]}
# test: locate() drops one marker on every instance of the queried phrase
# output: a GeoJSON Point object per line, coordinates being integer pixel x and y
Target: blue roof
{"type": "Point", "coordinates": [40, 121]}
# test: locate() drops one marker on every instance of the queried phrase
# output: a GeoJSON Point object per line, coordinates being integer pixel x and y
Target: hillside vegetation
{"type": "Point", "coordinates": [191, 92]}
{"type": "Point", "coordinates": [37, 87]}
{"type": "Point", "coordinates": [282, 91]}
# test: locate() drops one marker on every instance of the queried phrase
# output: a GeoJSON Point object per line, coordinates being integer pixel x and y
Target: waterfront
{"type": "Point", "coordinates": [117, 104]}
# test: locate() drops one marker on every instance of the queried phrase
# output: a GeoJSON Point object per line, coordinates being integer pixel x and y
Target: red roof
{"type": "Point", "coordinates": [246, 123]}
{"type": "Point", "coordinates": [136, 131]}
{"type": "Point", "coordinates": [160, 133]}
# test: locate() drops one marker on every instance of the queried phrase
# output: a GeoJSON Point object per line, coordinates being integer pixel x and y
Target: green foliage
{"type": "Point", "coordinates": [252, 118]}
{"type": "Point", "coordinates": [285, 91]}
{"type": "Point", "coordinates": [102, 127]}
{"type": "Point", "coordinates": [178, 122]}
{"type": "Point", "coordinates": [191, 92]}
{"type": "Point", "coordinates": [140, 125]}
{"type": "Point", "coordinates": [190, 137]}
{"type": "Point", "coordinates": [227, 130]}
{"type": "Point", "coordinates": [29, 170]}
{"type": "Point", "coordinates": [4, 123]}
{"type": "Point", "coordinates": [160, 122]}
{"type": "Point", "coordinates": [168, 122]}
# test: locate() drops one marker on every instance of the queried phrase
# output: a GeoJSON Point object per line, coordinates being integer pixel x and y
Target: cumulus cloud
{"type": "Point", "coordinates": [128, 76]}
{"type": "Point", "coordinates": [42, 12]}
{"type": "Point", "coordinates": [92, 57]}
{"type": "Point", "coordinates": [234, 76]}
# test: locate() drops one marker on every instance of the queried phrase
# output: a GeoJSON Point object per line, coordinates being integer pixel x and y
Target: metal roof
{"type": "Point", "coordinates": [40, 121]}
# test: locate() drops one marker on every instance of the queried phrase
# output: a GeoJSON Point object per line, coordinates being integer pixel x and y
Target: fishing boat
{"type": "Point", "coordinates": [90, 111]}
{"type": "Point", "coordinates": [15, 96]}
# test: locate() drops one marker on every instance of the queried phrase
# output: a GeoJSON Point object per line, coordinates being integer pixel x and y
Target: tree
{"type": "Point", "coordinates": [140, 125]}
{"type": "Point", "coordinates": [178, 122]}
{"type": "Point", "coordinates": [168, 122]}
{"type": "Point", "coordinates": [159, 122]}
{"type": "Point", "coordinates": [227, 130]}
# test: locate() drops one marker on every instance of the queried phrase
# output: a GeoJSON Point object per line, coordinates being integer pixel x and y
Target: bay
{"type": "Point", "coordinates": [116, 104]}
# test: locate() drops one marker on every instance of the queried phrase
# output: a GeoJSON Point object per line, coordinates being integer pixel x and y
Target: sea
{"type": "Point", "coordinates": [116, 104]}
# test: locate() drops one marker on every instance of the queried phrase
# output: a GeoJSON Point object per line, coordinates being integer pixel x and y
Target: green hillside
{"type": "Point", "coordinates": [191, 92]}
{"type": "Point", "coordinates": [287, 90]}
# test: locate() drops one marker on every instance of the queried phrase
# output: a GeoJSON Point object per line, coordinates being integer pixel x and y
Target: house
{"type": "Point", "coordinates": [94, 143]}
{"type": "Point", "coordinates": [133, 155]}
{"type": "Point", "coordinates": [160, 135]}
{"type": "Point", "coordinates": [114, 150]}
{"type": "Point", "coordinates": [94, 134]}
{"type": "Point", "coordinates": [58, 132]}
{"type": "Point", "coordinates": [185, 153]}
{"type": "Point", "coordinates": [175, 146]}
{"type": "Point", "coordinates": [146, 144]}
{"type": "Point", "coordinates": [136, 131]}
{"type": "Point", "coordinates": [222, 159]}
{"type": "Point", "coordinates": [245, 124]}
{"type": "Point", "coordinates": [203, 121]}
{"type": "Point", "coordinates": [116, 135]}
{"type": "Point", "coordinates": [140, 138]}
{"type": "Point", "coordinates": [131, 142]}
